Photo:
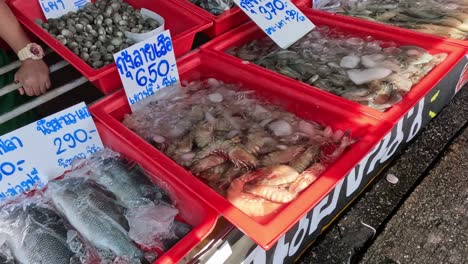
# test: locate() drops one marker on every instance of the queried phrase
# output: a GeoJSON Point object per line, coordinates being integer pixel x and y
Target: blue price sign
{"type": "Point", "coordinates": [281, 20]}
{"type": "Point", "coordinates": [58, 8]}
{"type": "Point", "coordinates": [31, 155]}
{"type": "Point", "coordinates": [147, 67]}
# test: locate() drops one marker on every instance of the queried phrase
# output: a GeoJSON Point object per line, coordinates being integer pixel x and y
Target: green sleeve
{"type": "Point", "coordinates": [12, 100]}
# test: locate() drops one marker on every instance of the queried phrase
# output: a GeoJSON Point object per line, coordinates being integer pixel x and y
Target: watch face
{"type": "Point", "coordinates": [36, 50]}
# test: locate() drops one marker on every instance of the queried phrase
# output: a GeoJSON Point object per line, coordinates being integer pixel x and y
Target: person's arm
{"type": "Point", "coordinates": [33, 74]}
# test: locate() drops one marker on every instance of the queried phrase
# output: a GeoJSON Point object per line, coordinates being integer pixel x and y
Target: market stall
{"type": "Point", "coordinates": [241, 150]}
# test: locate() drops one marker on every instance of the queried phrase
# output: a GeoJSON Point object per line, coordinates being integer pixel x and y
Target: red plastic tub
{"type": "Point", "coordinates": [249, 32]}
{"type": "Point", "coordinates": [307, 4]}
{"type": "Point", "coordinates": [182, 23]}
{"type": "Point", "coordinates": [192, 209]}
{"type": "Point", "coordinates": [221, 23]}
{"type": "Point", "coordinates": [111, 110]}
{"type": "Point", "coordinates": [224, 22]}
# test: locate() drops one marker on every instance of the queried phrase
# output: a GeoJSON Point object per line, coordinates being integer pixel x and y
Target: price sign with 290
{"type": "Point", "coordinates": [72, 140]}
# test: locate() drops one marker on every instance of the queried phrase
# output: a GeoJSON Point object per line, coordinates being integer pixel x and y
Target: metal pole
{"type": "Point", "coordinates": [15, 86]}
{"type": "Point", "coordinates": [16, 64]}
{"type": "Point", "coordinates": [42, 99]}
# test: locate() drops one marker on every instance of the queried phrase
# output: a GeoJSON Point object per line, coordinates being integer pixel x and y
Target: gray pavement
{"type": "Point", "coordinates": [356, 237]}
{"type": "Point", "coordinates": [432, 224]}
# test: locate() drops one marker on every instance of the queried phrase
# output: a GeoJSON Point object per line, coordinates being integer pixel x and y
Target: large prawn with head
{"type": "Point", "coordinates": [263, 191]}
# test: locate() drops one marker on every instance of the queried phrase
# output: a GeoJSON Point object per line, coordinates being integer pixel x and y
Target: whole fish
{"type": "Point", "coordinates": [95, 214]}
{"type": "Point", "coordinates": [35, 234]}
{"type": "Point", "coordinates": [129, 184]}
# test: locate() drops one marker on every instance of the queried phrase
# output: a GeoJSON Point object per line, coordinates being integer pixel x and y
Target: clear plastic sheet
{"type": "Point", "coordinates": [151, 224]}
{"type": "Point", "coordinates": [106, 201]}
{"type": "Point", "coordinates": [32, 232]}
{"type": "Point", "coordinates": [109, 195]}
{"type": "Point", "coordinates": [96, 215]}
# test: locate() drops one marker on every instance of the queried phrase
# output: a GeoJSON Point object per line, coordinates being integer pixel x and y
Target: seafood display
{"type": "Point", "coordinates": [256, 154]}
{"type": "Point", "coordinates": [216, 7]}
{"type": "Point", "coordinates": [362, 69]}
{"type": "Point", "coordinates": [97, 31]}
{"type": "Point", "coordinates": [447, 18]}
{"type": "Point", "coordinates": [109, 203]}
{"type": "Point", "coordinates": [95, 214]}
{"type": "Point", "coordinates": [44, 237]}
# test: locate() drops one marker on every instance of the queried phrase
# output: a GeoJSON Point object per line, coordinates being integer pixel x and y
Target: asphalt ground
{"type": "Point", "coordinates": [420, 219]}
{"type": "Point", "coordinates": [432, 224]}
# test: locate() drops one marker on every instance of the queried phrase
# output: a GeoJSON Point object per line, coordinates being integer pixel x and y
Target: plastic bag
{"type": "Point", "coordinates": [33, 232]}
{"type": "Point", "coordinates": [96, 215]}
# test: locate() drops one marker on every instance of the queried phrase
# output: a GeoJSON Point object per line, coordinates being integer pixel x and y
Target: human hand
{"type": "Point", "coordinates": [34, 77]}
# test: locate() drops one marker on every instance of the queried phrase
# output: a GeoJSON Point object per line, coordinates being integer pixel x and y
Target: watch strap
{"type": "Point", "coordinates": [26, 53]}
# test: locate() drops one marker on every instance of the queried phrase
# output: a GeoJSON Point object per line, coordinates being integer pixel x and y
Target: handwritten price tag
{"type": "Point", "coordinates": [146, 67]}
{"type": "Point", "coordinates": [279, 19]}
{"type": "Point", "coordinates": [38, 152]}
{"type": "Point", "coordinates": [58, 8]}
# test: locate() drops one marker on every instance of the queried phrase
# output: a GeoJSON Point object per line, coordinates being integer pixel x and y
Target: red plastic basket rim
{"type": "Point", "coordinates": [455, 53]}
{"type": "Point", "coordinates": [307, 5]}
{"type": "Point", "coordinates": [90, 73]}
{"type": "Point", "coordinates": [198, 232]}
{"type": "Point", "coordinates": [193, 7]}
{"type": "Point", "coordinates": [283, 220]}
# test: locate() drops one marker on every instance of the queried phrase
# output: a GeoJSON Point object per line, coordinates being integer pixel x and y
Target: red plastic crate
{"type": "Point", "coordinates": [111, 110]}
{"type": "Point", "coordinates": [249, 32]}
{"type": "Point", "coordinates": [307, 4]}
{"type": "Point", "coordinates": [192, 209]}
{"type": "Point", "coordinates": [221, 23]}
{"type": "Point", "coordinates": [224, 22]}
{"type": "Point", "coordinates": [183, 25]}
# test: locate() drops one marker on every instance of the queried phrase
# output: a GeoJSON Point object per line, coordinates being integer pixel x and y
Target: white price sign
{"type": "Point", "coordinates": [146, 67]}
{"type": "Point", "coordinates": [281, 20]}
{"type": "Point", "coordinates": [58, 8]}
{"type": "Point", "coordinates": [40, 151]}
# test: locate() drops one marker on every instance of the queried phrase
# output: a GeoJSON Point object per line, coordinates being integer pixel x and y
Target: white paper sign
{"type": "Point", "coordinates": [281, 20]}
{"type": "Point", "coordinates": [147, 67]}
{"type": "Point", "coordinates": [58, 8]}
{"type": "Point", "coordinates": [43, 150]}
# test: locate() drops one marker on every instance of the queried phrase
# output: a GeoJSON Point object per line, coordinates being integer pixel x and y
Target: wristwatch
{"type": "Point", "coordinates": [31, 51]}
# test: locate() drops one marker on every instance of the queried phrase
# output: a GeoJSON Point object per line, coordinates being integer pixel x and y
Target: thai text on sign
{"type": "Point", "coordinates": [58, 8]}
{"type": "Point", "coordinates": [43, 150]}
{"type": "Point", "coordinates": [147, 67]}
{"type": "Point", "coordinates": [281, 20]}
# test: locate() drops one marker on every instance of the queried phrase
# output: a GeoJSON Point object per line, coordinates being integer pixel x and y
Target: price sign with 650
{"type": "Point", "coordinates": [279, 19]}
{"type": "Point", "coordinates": [146, 67]}
{"type": "Point", "coordinates": [33, 154]}
{"type": "Point", "coordinates": [58, 8]}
